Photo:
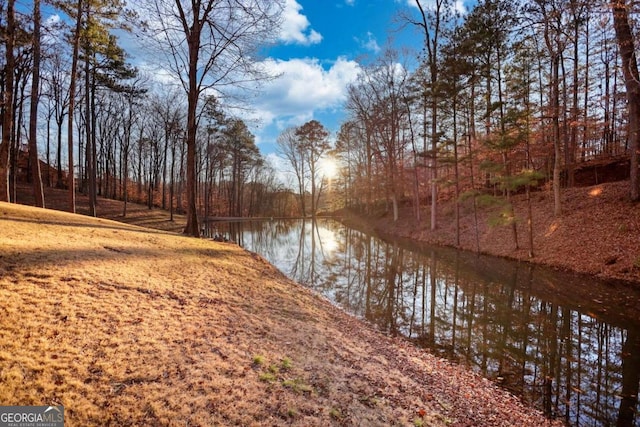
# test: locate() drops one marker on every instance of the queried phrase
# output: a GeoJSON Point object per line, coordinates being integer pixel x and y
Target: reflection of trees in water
{"type": "Point", "coordinates": [487, 314]}
{"type": "Point", "coordinates": [298, 245]}
{"type": "Point", "coordinates": [555, 357]}
{"type": "Point", "coordinates": [630, 378]}
{"type": "Point", "coordinates": [308, 266]}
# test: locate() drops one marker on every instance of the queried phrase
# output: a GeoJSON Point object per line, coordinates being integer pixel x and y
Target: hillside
{"type": "Point", "coordinates": [131, 326]}
{"type": "Point", "coordinates": [598, 232]}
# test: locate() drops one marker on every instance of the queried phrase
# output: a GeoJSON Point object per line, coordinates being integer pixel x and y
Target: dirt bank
{"type": "Point", "coordinates": [598, 232]}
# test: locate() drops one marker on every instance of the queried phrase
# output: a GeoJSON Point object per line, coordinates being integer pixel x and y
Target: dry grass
{"type": "Point", "coordinates": [129, 326]}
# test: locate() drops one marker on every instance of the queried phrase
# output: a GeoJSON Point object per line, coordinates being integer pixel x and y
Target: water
{"type": "Point", "coordinates": [566, 344]}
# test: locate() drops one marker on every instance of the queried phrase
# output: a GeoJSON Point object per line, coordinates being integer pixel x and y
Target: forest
{"type": "Point", "coordinates": [508, 98]}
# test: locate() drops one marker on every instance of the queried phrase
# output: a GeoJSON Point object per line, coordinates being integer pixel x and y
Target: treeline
{"type": "Point", "coordinates": [110, 130]}
{"type": "Point", "coordinates": [508, 97]}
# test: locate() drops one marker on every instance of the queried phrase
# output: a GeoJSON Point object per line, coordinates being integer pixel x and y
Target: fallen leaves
{"type": "Point", "coordinates": [595, 235]}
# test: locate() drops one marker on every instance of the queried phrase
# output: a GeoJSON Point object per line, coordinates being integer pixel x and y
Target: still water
{"type": "Point", "coordinates": [568, 345]}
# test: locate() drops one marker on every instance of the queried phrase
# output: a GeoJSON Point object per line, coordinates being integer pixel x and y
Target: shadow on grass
{"type": "Point", "coordinates": [21, 262]}
{"type": "Point", "coordinates": [125, 226]}
{"type": "Point", "coordinates": [123, 245]}
{"type": "Point", "coordinates": [137, 214]}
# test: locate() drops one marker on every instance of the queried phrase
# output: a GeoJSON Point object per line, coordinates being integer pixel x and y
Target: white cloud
{"type": "Point", "coordinates": [304, 87]}
{"type": "Point", "coordinates": [350, 2]}
{"type": "Point", "coordinates": [295, 26]}
{"type": "Point", "coordinates": [457, 6]}
{"type": "Point", "coordinates": [51, 21]}
{"type": "Point", "coordinates": [370, 43]}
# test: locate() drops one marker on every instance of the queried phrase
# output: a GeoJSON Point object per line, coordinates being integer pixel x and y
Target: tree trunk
{"type": "Point", "coordinates": [626, 46]}
{"type": "Point", "coordinates": [7, 123]}
{"type": "Point", "coordinates": [585, 106]}
{"type": "Point", "coordinates": [59, 175]}
{"type": "Point", "coordinates": [36, 177]}
{"type": "Point", "coordinates": [16, 138]}
{"type": "Point", "coordinates": [90, 134]}
{"type": "Point", "coordinates": [72, 98]}
{"type": "Point", "coordinates": [171, 189]}
{"type": "Point", "coordinates": [505, 153]}
{"type": "Point", "coordinates": [48, 175]}
{"type": "Point", "coordinates": [456, 170]}
{"type": "Point", "coordinates": [434, 153]}
{"type": "Point", "coordinates": [431, 37]}
{"type": "Point", "coordinates": [139, 174]}
{"type": "Point", "coordinates": [164, 170]}
{"type": "Point", "coordinates": [191, 228]}
{"type": "Point", "coordinates": [530, 221]}
{"type": "Point", "coordinates": [555, 106]}
{"type": "Point", "coordinates": [125, 179]}
{"type": "Point", "coordinates": [472, 145]}
{"type": "Point", "coordinates": [573, 142]}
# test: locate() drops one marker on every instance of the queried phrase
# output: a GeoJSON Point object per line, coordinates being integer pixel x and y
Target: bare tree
{"type": "Point", "coordinates": [56, 78]}
{"type": "Point", "coordinates": [130, 97]}
{"type": "Point", "coordinates": [549, 15]}
{"type": "Point", "coordinates": [72, 95]}
{"type": "Point", "coordinates": [210, 45]}
{"type": "Point", "coordinates": [312, 140]}
{"type": "Point", "coordinates": [289, 148]}
{"type": "Point", "coordinates": [431, 22]}
{"type": "Point", "coordinates": [627, 48]}
{"type": "Point", "coordinates": [377, 101]}
{"type": "Point", "coordinates": [7, 123]}
{"type": "Point", "coordinates": [359, 102]}
{"type": "Point", "coordinates": [36, 177]}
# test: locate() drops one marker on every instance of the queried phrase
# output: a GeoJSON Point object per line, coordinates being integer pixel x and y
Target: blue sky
{"type": "Point", "coordinates": [321, 48]}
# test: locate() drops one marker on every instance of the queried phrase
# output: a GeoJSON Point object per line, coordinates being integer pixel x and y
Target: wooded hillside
{"type": "Point", "coordinates": [504, 98]}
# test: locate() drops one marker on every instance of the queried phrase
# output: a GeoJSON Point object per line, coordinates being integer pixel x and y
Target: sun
{"type": "Point", "coordinates": [328, 240]}
{"type": "Point", "coordinates": [328, 167]}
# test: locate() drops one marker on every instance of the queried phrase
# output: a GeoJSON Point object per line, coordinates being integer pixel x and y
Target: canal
{"type": "Point", "coordinates": [566, 344]}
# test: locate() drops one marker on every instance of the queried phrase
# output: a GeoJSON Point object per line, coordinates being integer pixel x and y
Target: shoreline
{"type": "Point", "coordinates": [597, 236]}
{"type": "Point", "coordinates": [144, 321]}
{"type": "Point", "coordinates": [154, 218]}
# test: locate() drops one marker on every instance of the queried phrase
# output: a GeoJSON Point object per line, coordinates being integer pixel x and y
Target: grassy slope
{"type": "Point", "coordinates": [126, 325]}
